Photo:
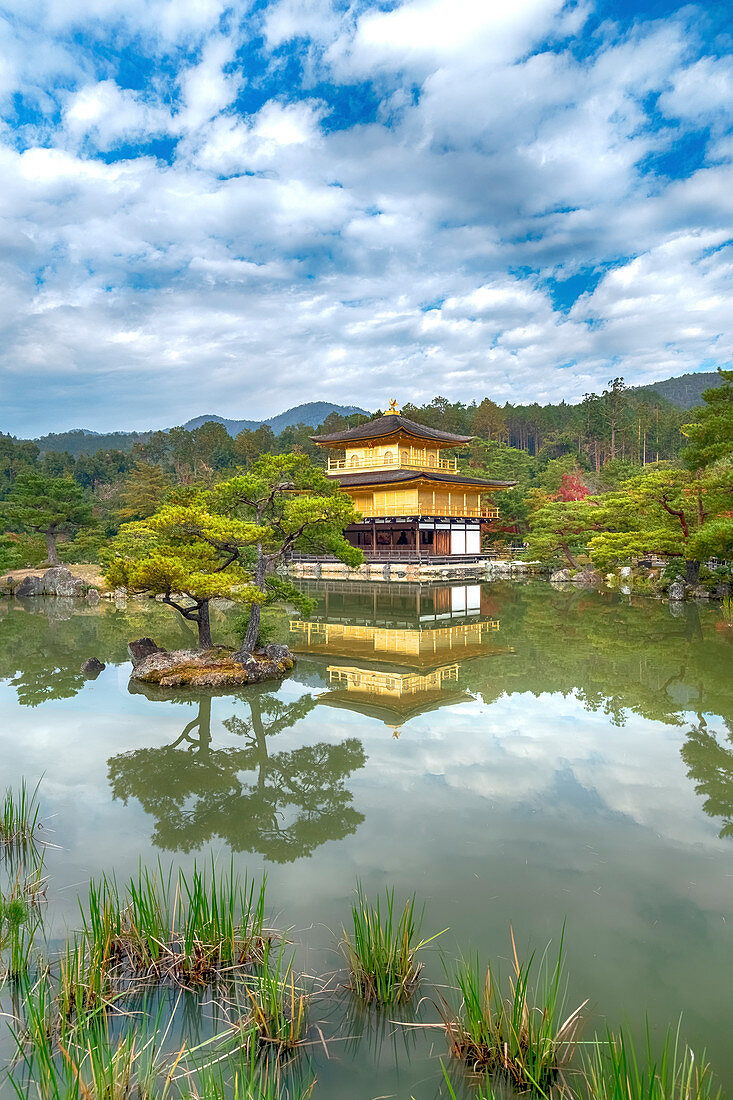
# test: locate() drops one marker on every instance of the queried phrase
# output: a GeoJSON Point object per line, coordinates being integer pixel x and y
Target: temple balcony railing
{"type": "Point", "coordinates": [414, 462]}
{"type": "Point", "coordinates": [455, 511]}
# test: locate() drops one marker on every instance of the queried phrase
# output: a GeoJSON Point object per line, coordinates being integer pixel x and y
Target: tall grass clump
{"type": "Point", "coordinates": [251, 1078]}
{"type": "Point", "coordinates": [84, 981]}
{"type": "Point", "coordinates": [19, 812]}
{"type": "Point", "coordinates": [89, 1061]}
{"type": "Point", "coordinates": [614, 1070]}
{"type": "Point", "coordinates": [276, 1014]}
{"type": "Point", "coordinates": [173, 926]}
{"type": "Point", "coordinates": [523, 1033]}
{"type": "Point", "coordinates": [382, 948]}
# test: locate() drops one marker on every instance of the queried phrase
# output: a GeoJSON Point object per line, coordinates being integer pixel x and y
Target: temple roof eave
{"type": "Point", "coordinates": [386, 427]}
{"type": "Point", "coordinates": [403, 477]}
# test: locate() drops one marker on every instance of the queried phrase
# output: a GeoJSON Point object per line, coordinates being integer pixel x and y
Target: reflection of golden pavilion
{"type": "Point", "coordinates": [387, 643]}
{"type": "Point", "coordinates": [407, 660]}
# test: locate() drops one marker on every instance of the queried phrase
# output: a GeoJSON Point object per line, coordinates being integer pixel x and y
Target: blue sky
{"type": "Point", "coordinates": [237, 207]}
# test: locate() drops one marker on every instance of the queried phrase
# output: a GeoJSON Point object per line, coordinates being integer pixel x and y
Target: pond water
{"type": "Point", "coordinates": [515, 756]}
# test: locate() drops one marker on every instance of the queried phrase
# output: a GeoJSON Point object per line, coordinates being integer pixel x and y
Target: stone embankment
{"type": "Point", "coordinates": [481, 569]}
{"type": "Point", "coordinates": [57, 581]}
{"type": "Point", "coordinates": [639, 581]}
{"type": "Point", "coordinates": [217, 667]}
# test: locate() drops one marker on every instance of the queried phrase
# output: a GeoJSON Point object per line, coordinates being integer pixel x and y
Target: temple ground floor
{"type": "Point", "coordinates": [416, 539]}
{"type": "Point", "coordinates": [421, 548]}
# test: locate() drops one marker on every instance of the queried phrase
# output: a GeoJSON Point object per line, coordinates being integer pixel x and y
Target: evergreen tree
{"type": "Point", "coordinates": [294, 506]}
{"type": "Point", "coordinates": [143, 491]}
{"type": "Point", "coordinates": [185, 550]}
{"type": "Point", "coordinates": [710, 438]}
{"type": "Point", "coordinates": [51, 506]}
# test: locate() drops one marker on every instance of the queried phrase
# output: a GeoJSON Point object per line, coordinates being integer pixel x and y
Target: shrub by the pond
{"type": "Point", "coordinates": [521, 1032]}
{"type": "Point", "coordinates": [382, 948]}
{"type": "Point", "coordinates": [614, 1070]}
{"type": "Point", "coordinates": [19, 923]}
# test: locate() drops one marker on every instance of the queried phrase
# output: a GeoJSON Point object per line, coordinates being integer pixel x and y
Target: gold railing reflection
{"type": "Point", "coordinates": [385, 639]}
{"type": "Point", "coordinates": [391, 684]}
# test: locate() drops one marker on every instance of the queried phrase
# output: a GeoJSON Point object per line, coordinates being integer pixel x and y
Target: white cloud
{"type": "Point", "coordinates": [109, 114]}
{"type": "Point", "coordinates": [420, 239]}
{"type": "Point", "coordinates": [427, 33]}
{"type": "Point", "coordinates": [206, 87]}
{"type": "Point", "coordinates": [701, 91]}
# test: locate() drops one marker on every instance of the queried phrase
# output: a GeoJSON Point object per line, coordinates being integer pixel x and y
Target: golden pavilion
{"type": "Point", "coordinates": [414, 503]}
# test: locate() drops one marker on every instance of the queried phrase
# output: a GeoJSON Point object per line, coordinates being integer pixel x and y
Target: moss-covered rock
{"type": "Point", "coordinates": [218, 667]}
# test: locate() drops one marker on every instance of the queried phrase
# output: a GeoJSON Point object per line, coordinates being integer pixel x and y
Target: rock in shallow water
{"type": "Point", "coordinates": [677, 591]}
{"type": "Point", "coordinates": [560, 576]}
{"type": "Point", "coordinates": [92, 668]}
{"type": "Point", "coordinates": [142, 648]}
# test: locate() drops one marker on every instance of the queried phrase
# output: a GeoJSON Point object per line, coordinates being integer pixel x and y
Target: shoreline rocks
{"type": "Point", "coordinates": [211, 668]}
{"type": "Point", "coordinates": [56, 581]}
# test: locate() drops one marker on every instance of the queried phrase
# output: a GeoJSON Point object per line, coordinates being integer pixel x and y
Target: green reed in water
{"type": "Point", "coordinates": [614, 1070]}
{"type": "Point", "coordinates": [19, 812]}
{"type": "Point", "coordinates": [276, 1015]}
{"type": "Point", "coordinates": [382, 948]}
{"type": "Point", "coordinates": [523, 1033]}
{"type": "Point", "coordinates": [246, 1078]}
{"type": "Point", "coordinates": [129, 1057]}
{"type": "Point", "coordinates": [88, 1061]}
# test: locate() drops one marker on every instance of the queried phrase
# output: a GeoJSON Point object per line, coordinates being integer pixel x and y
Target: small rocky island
{"type": "Point", "coordinates": [217, 667]}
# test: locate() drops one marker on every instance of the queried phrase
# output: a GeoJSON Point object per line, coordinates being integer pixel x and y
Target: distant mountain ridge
{"type": "Point", "coordinates": [83, 441]}
{"type": "Point", "coordinates": [312, 413]}
{"type": "Point", "coordinates": [685, 390]}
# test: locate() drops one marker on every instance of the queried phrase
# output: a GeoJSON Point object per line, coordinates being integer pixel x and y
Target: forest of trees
{"type": "Point", "coordinates": [555, 453]}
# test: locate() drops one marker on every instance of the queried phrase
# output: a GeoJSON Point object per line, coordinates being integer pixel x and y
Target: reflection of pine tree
{"type": "Point", "coordinates": [295, 801]}
{"type": "Point", "coordinates": [710, 764]}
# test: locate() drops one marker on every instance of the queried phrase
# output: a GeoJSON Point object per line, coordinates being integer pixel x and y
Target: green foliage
{"type": "Point", "coordinates": [191, 927]}
{"type": "Point", "coordinates": [670, 512]}
{"type": "Point", "coordinates": [46, 504]}
{"type": "Point", "coordinates": [19, 814]}
{"type": "Point", "coordinates": [295, 506]}
{"type": "Point", "coordinates": [185, 549]}
{"type": "Point", "coordinates": [710, 438]}
{"type": "Point", "coordinates": [143, 491]}
{"type": "Point", "coordinates": [275, 1020]}
{"type": "Point", "coordinates": [88, 545]}
{"type": "Point", "coordinates": [10, 553]}
{"type": "Point", "coordinates": [559, 530]}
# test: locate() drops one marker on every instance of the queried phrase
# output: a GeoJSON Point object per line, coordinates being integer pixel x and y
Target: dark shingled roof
{"type": "Point", "coordinates": [395, 477]}
{"type": "Point", "coordinates": [391, 425]}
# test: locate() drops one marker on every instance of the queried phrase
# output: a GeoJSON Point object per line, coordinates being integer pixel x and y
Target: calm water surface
{"type": "Point", "coordinates": [514, 755]}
